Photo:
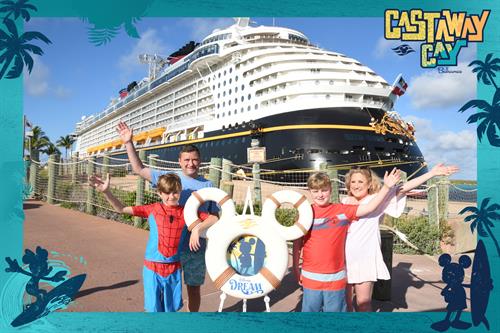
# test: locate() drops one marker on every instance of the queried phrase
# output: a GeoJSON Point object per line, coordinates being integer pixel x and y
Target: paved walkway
{"type": "Point", "coordinates": [113, 255]}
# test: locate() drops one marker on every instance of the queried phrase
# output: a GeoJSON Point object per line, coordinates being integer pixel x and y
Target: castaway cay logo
{"type": "Point", "coordinates": [443, 33]}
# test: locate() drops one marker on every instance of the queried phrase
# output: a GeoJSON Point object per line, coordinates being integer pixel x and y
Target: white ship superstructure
{"type": "Point", "coordinates": [237, 77]}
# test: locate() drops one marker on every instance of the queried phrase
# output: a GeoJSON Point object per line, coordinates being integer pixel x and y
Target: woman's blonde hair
{"type": "Point", "coordinates": [373, 180]}
{"type": "Point", "coordinates": [169, 183]}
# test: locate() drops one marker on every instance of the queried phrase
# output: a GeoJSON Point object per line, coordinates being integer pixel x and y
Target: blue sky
{"type": "Point", "coordinates": [75, 78]}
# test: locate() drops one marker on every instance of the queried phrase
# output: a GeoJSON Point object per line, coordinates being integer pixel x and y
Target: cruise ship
{"type": "Point", "coordinates": [258, 86]}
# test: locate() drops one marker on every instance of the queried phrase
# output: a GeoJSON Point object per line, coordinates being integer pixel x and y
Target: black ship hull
{"type": "Point", "coordinates": [301, 140]}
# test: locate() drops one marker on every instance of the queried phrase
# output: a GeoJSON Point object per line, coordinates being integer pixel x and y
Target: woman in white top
{"type": "Point", "coordinates": [364, 262]}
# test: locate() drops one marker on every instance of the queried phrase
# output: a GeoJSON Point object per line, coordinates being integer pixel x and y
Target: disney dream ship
{"type": "Point", "coordinates": [263, 85]}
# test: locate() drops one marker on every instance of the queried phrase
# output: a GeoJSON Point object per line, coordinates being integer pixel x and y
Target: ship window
{"type": "Point", "coordinates": [229, 102]}
{"type": "Point", "coordinates": [235, 112]}
{"type": "Point", "coordinates": [224, 94]}
{"type": "Point", "coordinates": [224, 83]}
{"type": "Point", "coordinates": [242, 87]}
{"type": "Point", "coordinates": [236, 78]}
{"type": "Point", "coordinates": [213, 87]}
{"type": "Point", "coordinates": [249, 96]}
{"type": "Point", "coordinates": [218, 85]}
{"type": "Point", "coordinates": [230, 70]}
{"type": "Point", "coordinates": [236, 89]}
{"type": "Point", "coordinates": [219, 75]}
{"type": "Point", "coordinates": [223, 114]}
{"type": "Point", "coordinates": [242, 109]}
{"type": "Point", "coordinates": [224, 72]}
{"type": "Point", "coordinates": [235, 100]}
{"type": "Point", "coordinates": [218, 105]}
{"type": "Point", "coordinates": [223, 104]}
{"type": "Point", "coordinates": [256, 106]}
{"type": "Point", "coordinates": [248, 109]}
{"type": "Point", "coordinates": [218, 95]}
{"type": "Point", "coordinates": [242, 98]}
{"type": "Point", "coordinates": [230, 80]}
{"type": "Point", "coordinates": [217, 116]}
{"type": "Point", "coordinates": [230, 91]}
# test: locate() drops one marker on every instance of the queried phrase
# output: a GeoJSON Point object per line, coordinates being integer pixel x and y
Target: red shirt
{"type": "Point", "coordinates": [324, 244]}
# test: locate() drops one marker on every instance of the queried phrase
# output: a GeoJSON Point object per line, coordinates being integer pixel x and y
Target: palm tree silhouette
{"type": "Point", "coordinates": [486, 70]}
{"type": "Point", "coordinates": [490, 118]}
{"type": "Point", "coordinates": [481, 219]}
{"type": "Point", "coordinates": [66, 142]}
{"type": "Point", "coordinates": [19, 8]}
{"type": "Point", "coordinates": [17, 50]}
{"type": "Point", "coordinates": [37, 142]}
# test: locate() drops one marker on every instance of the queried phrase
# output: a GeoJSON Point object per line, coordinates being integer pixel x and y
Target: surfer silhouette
{"type": "Point", "coordinates": [453, 292]}
{"type": "Point", "coordinates": [39, 269]}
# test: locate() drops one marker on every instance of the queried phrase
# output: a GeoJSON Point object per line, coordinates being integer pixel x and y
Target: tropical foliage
{"type": "Point", "coordinates": [37, 142]}
{"type": "Point", "coordinates": [66, 142]}
{"type": "Point", "coordinates": [51, 149]}
{"type": "Point", "coordinates": [489, 118]}
{"type": "Point", "coordinates": [482, 219]}
{"type": "Point", "coordinates": [17, 8]}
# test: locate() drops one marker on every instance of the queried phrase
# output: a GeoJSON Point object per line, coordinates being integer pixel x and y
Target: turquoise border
{"type": "Point", "coordinates": [11, 110]}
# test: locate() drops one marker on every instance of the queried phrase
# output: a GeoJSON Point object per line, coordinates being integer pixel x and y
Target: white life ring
{"type": "Point", "coordinates": [225, 277]}
{"type": "Point", "coordinates": [299, 201]}
{"type": "Point", "coordinates": [199, 197]}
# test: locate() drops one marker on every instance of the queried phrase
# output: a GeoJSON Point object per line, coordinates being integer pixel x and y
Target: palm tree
{"type": "Point", "coordinates": [16, 49]}
{"type": "Point", "coordinates": [19, 8]}
{"type": "Point", "coordinates": [486, 70]}
{"type": "Point", "coordinates": [66, 142]}
{"type": "Point", "coordinates": [51, 149]}
{"type": "Point", "coordinates": [481, 219]}
{"type": "Point", "coordinates": [37, 142]}
{"type": "Point", "coordinates": [490, 118]}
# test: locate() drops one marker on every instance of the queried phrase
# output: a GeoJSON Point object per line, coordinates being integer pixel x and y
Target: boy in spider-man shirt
{"type": "Point", "coordinates": [162, 268]}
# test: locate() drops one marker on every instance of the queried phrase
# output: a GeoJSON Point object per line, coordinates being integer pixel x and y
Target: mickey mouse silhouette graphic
{"type": "Point", "coordinates": [453, 292]}
{"type": "Point", "coordinates": [245, 257]}
{"type": "Point", "coordinates": [39, 269]}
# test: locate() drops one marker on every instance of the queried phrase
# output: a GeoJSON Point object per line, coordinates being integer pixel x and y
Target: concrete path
{"type": "Point", "coordinates": [113, 252]}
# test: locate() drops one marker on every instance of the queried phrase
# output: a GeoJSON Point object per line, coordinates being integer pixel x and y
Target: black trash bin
{"type": "Point", "coordinates": [382, 288]}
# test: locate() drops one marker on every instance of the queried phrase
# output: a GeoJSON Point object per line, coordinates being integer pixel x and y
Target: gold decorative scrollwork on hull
{"type": "Point", "coordinates": [393, 125]}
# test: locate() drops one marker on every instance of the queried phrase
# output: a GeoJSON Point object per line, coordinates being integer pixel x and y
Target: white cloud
{"type": "Point", "coordinates": [383, 46]}
{"type": "Point", "coordinates": [37, 83]}
{"type": "Point", "coordinates": [454, 148]}
{"type": "Point", "coordinates": [201, 27]}
{"type": "Point", "coordinates": [149, 43]}
{"type": "Point", "coordinates": [440, 90]}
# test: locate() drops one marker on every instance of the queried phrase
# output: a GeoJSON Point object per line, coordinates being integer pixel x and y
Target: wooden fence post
{"type": "Point", "coordinates": [256, 184]}
{"type": "Point", "coordinates": [214, 173]}
{"type": "Point", "coordinates": [432, 202]}
{"type": "Point", "coordinates": [226, 183]}
{"type": "Point", "coordinates": [91, 194]}
{"type": "Point", "coordinates": [51, 186]}
{"type": "Point", "coordinates": [34, 175]}
{"type": "Point", "coordinates": [443, 185]}
{"type": "Point", "coordinates": [139, 198]}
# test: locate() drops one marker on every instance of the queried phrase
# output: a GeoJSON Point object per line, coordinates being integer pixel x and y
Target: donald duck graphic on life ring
{"type": "Point", "coordinates": [247, 275]}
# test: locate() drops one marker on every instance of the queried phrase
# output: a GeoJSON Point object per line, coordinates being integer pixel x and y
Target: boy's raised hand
{"type": "Point", "coordinates": [392, 178]}
{"type": "Point", "coordinates": [124, 132]}
{"type": "Point", "coordinates": [444, 170]}
{"type": "Point", "coordinates": [99, 184]}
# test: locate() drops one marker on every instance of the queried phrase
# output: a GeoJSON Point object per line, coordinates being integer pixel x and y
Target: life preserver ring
{"type": "Point", "coordinates": [199, 197]}
{"type": "Point", "coordinates": [299, 201]}
{"type": "Point", "coordinates": [225, 277]}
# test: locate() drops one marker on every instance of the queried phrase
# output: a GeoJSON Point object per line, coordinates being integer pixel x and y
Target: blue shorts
{"type": "Point", "coordinates": [323, 300]}
{"type": "Point", "coordinates": [193, 265]}
{"type": "Point", "coordinates": [162, 294]}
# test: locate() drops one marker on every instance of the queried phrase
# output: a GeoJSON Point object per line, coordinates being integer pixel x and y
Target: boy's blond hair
{"type": "Point", "coordinates": [318, 181]}
{"type": "Point", "coordinates": [372, 179]}
{"type": "Point", "coordinates": [169, 183]}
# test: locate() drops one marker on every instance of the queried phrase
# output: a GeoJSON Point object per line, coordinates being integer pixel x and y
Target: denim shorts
{"type": "Point", "coordinates": [323, 300]}
{"type": "Point", "coordinates": [193, 265]}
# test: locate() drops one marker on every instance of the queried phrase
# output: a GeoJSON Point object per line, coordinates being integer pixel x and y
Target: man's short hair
{"type": "Point", "coordinates": [169, 183]}
{"type": "Point", "coordinates": [189, 149]}
{"type": "Point", "coordinates": [318, 181]}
